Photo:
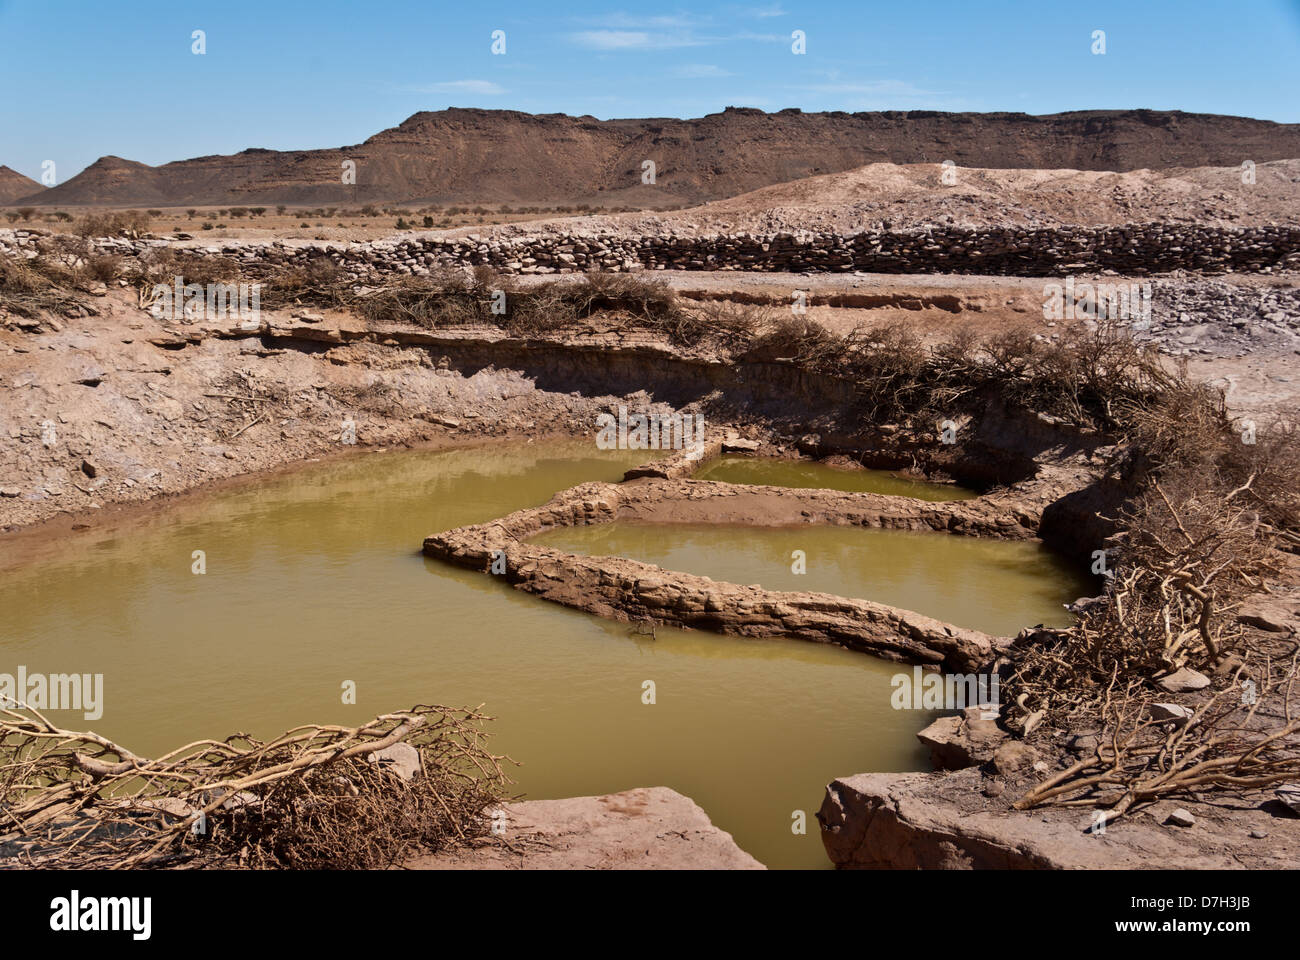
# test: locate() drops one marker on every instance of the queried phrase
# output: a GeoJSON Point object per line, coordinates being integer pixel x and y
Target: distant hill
{"type": "Point", "coordinates": [14, 186]}
{"type": "Point", "coordinates": [504, 156]}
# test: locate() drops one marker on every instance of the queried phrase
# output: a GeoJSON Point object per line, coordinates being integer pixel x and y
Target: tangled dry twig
{"type": "Point", "coordinates": [317, 796]}
{"type": "Point", "coordinates": [1194, 541]}
{"type": "Point", "coordinates": [1230, 741]}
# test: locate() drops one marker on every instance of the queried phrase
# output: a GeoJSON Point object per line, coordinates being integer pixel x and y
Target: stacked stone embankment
{"type": "Point", "coordinates": [1131, 250]}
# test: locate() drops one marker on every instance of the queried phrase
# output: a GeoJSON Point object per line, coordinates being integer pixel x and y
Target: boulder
{"type": "Point", "coordinates": [948, 748]}
{"type": "Point", "coordinates": [909, 821]}
{"type": "Point", "coordinates": [1289, 794]}
{"type": "Point", "coordinates": [1171, 711]}
{"type": "Point", "coordinates": [1014, 757]}
{"type": "Point", "coordinates": [1268, 614]}
{"type": "Point", "coordinates": [1184, 680]}
{"type": "Point", "coordinates": [961, 741]}
{"type": "Point", "coordinates": [401, 758]}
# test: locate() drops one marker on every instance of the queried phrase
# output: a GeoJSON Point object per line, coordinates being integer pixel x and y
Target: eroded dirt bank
{"type": "Point", "coordinates": [121, 407]}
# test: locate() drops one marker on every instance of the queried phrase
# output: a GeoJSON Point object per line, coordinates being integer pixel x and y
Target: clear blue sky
{"type": "Point", "coordinates": [86, 78]}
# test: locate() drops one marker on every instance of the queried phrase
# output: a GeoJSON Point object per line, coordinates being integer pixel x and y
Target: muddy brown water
{"type": "Point", "coordinates": [314, 579]}
{"type": "Point", "coordinates": [805, 474]}
{"type": "Point", "coordinates": [998, 586]}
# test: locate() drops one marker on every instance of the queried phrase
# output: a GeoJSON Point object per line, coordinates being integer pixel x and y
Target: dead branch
{"type": "Point", "coordinates": [317, 796]}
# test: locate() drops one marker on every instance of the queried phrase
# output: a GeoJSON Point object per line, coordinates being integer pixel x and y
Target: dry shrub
{"type": "Point", "coordinates": [715, 324]}
{"type": "Point", "coordinates": [1190, 431]}
{"type": "Point", "coordinates": [1183, 572]}
{"type": "Point", "coordinates": [1194, 540]}
{"type": "Point", "coordinates": [538, 310]}
{"type": "Point", "coordinates": [453, 298]}
{"type": "Point", "coordinates": [1197, 538]}
{"type": "Point", "coordinates": [31, 287]}
{"type": "Point", "coordinates": [1229, 743]}
{"type": "Point", "coordinates": [321, 282]}
{"type": "Point", "coordinates": [1188, 553]}
{"type": "Point", "coordinates": [104, 268]}
{"type": "Point", "coordinates": [1095, 377]}
{"type": "Point", "coordinates": [315, 797]}
{"type": "Point", "coordinates": [122, 223]}
{"type": "Point", "coordinates": [444, 299]}
{"type": "Point", "coordinates": [639, 296]}
{"type": "Point", "coordinates": [739, 319]}
{"type": "Point", "coordinates": [19, 275]}
{"type": "Point", "coordinates": [897, 376]}
{"type": "Point", "coordinates": [162, 265]}
{"type": "Point", "coordinates": [1274, 462]}
{"type": "Point", "coordinates": [1187, 428]}
{"type": "Point", "coordinates": [794, 339]}
{"type": "Point", "coordinates": [73, 262]}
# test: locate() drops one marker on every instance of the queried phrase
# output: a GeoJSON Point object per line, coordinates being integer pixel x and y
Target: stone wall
{"type": "Point", "coordinates": [1130, 250]}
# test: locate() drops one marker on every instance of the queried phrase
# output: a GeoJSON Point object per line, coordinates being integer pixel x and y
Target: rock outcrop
{"type": "Point", "coordinates": [964, 740]}
{"type": "Point", "coordinates": [947, 821]}
{"type": "Point", "coordinates": [629, 590]}
{"type": "Point", "coordinates": [651, 828]}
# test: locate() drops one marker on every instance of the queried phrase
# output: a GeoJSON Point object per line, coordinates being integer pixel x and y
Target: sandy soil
{"type": "Point", "coordinates": [344, 224]}
{"type": "Point", "coordinates": [887, 196]}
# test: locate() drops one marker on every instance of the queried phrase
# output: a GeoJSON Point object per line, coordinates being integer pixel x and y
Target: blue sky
{"type": "Point", "coordinates": [86, 79]}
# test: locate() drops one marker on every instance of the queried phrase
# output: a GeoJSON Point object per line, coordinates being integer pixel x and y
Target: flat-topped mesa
{"type": "Point", "coordinates": [473, 156]}
{"type": "Point", "coordinates": [629, 590]}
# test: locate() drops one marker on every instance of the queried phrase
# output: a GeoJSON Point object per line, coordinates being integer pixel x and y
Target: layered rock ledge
{"type": "Point", "coordinates": [651, 828]}
{"type": "Point", "coordinates": [948, 821]}
{"type": "Point", "coordinates": [629, 590]}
